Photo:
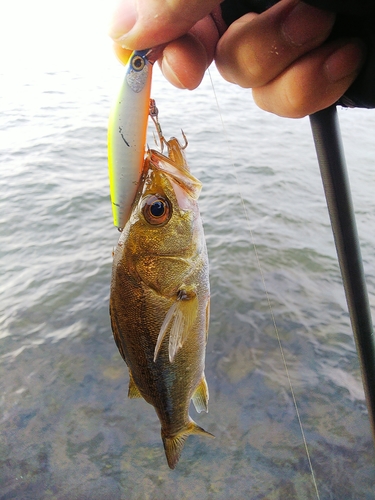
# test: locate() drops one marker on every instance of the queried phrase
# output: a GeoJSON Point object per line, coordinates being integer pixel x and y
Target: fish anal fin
{"type": "Point", "coordinates": [200, 397]}
{"type": "Point", "coordinates": [133, 391]}
{"type": "Point", "coordinates": [173, 445]}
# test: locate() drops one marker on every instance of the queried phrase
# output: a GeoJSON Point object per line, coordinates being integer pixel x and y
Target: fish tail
{"type": "Point", "coordinates": [173, 445]}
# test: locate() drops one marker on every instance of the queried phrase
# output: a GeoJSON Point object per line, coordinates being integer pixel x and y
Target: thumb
{"type": "Point", "coordinates": [143, 24]}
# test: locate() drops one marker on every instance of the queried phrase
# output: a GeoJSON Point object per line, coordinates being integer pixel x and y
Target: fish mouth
{"type": "Point", "coordinates": [178, 173]}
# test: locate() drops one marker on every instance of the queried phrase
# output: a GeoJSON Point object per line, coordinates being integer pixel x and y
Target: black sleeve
{"type": "Point", "coordinates": [234, 9]}
{"type": "Point", "coordinates": [348, 7]}
{"type": "Point", "coordinates": [355, 18]}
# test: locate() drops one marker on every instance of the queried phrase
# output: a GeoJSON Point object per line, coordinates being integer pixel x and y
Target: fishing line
{"type": "Point", "coordinates": [266, 291]}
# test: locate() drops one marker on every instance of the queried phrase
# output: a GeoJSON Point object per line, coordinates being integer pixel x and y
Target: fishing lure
{"type": "Point", "coordinates": [127, 135]}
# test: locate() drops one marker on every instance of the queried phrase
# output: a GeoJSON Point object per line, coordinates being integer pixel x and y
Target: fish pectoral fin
{"type": "Point", "coordinates": [200, 397]}
{"type": "Point", "coordinates": [164, 328]}
{"type": "Point", "coordinates": [133, 391]}
{"type": "Point", "coordinates": [183, 319]}
{"type": "Point", "coordinates": [178, 320]}
{"type": "Point", "coordinates": [173, 445]}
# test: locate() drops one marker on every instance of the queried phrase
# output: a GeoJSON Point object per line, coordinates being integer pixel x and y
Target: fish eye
{"type": "Point", "coordinates": [156, 210]}
{"type": "Point", "coordinates": [138, 63]}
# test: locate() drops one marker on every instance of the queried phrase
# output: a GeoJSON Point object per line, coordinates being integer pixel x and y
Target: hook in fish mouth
{"type": "Point", "coordinates": [176, 172]}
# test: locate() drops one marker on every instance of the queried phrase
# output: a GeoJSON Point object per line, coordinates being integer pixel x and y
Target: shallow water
{"type": "Point", "coordinates": [67, 427]}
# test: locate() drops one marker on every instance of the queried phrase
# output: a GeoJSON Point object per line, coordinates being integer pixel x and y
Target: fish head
{"type": "Point", "coordinates": [165, 217]}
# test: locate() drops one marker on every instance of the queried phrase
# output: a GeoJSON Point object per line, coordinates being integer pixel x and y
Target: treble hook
{"type": "Point", "coordinates": [185, 140]}
{"type": "Point", "coordinates": [154, 112]}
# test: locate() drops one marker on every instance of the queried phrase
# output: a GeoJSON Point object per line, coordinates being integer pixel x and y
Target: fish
{"type": "Point", "coordinates": [160, 296]}
{"type": "Point", "coordinates": [127, 132]}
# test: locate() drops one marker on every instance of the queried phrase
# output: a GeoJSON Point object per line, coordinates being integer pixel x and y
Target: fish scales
{"type": "Point", "coordinates": [160, 295]}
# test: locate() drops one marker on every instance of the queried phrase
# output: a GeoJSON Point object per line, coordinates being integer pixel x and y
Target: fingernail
{"type": "Point", "coordinates": [123, 20]}
{"type": "Point", "coordinates": [305, 24]}
{"type": "Point", "coordinates": [345, 61]}
{"type": "Point", "coordinates": [170, 74]}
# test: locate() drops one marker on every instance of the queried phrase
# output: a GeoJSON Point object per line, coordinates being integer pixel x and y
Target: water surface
{"type": "Point", "coordinates": [67, 427]}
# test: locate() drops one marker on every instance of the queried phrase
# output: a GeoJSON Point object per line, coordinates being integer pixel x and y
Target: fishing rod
{"type": "Point", "coordinates": [331, 158]}
{"type": "Point", "coordinates": [354, 18]}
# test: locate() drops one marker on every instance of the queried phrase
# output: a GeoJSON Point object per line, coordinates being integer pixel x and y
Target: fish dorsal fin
{"type": "Point", "coordinates": [173, 445]}
{"type": "Point", "coordinates": [133, 391]}
{"type": "Point", "coordinates": [200, 397]}
{"type": "Point", "coordinates": [178, 320]}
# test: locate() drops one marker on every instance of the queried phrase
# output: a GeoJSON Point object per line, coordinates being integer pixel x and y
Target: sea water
{"type": "Point", "coordinates": [279, 319]}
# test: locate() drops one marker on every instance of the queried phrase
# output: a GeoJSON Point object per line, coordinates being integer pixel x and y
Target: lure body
{"type": "Point", "coordinates": [127, 136]}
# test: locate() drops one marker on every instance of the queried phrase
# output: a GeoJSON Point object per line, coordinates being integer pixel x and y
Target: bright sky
{"type": "Point", "coordinates": [40, 33]}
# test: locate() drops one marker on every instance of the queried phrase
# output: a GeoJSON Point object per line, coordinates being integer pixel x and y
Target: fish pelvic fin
{"type": "Point", "coordinates": [200, 397]}
{"type": "Point", "coordinates": [173, 445]}
{"type": "Point", "coordinates": [133, 391]}
{"type": "Point", "coordinates": [178, 321]}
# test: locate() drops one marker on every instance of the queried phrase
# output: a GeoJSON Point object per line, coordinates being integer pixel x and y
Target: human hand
{"type": "Point", "coordinates": [282, 53]}
{"type": "Point", "coordinates": [284, 56]}
{"type": "Point", "coordinates": [187, 31]}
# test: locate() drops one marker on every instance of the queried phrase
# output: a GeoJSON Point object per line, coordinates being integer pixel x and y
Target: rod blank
{"type": "Point", "coordinates": [329, 149]}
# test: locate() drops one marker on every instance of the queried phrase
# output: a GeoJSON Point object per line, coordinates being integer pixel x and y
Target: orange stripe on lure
{"type": "Point", "coordinates": [127, 135]}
